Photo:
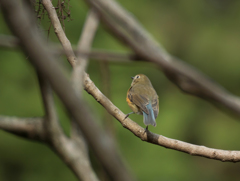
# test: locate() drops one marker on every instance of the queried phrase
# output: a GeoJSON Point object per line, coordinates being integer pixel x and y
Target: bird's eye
{"type": "Point", "coordinates": [137, 77]}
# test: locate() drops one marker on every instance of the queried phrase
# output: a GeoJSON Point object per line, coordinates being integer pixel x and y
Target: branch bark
{"type": "Point", "coordinates": [78, 73]}
{"type": "Point", "coordinates": [72, 151]}
{"type": "Point", "coordinates": [84, 45]}
{"type": "Point", "coordinates": [59, 31]}
{"type": "Point", "coordinates": [11, 42]}
{"type": "Point", "coordinates": [8, 41]}
{"type": "Point", "coordinates": [217, 154]}
{"type": "Point", "coordinates": [30, 128]}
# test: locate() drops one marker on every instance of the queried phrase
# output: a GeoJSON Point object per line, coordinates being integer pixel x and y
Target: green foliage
{"type": "Point", "coordinates": [203, 33]}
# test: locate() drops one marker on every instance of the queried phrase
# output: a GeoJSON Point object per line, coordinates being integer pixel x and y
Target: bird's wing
{"type": "Point", "coordinates": [139, 96]}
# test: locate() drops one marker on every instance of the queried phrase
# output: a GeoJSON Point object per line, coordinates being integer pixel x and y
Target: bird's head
{"type": "Point", "coordinates": [140, 79]}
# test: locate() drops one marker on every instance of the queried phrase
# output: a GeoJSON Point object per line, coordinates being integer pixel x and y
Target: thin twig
{"type": "Point", "coordinates": [84, 45]}
{"type": "Point", "coordinates": [78, 73]}
{"type": "Point", "coordinates": [52, 125]}
{"type": "Point", "coordinates": [59, 31]}
{"type": "Point", "coordinates": [7, 41]}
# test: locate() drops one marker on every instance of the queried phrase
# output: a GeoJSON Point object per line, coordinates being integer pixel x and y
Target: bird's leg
{"type": "Point", "coordinates": [127, 115]}
{"type": "Point", "coordinates": [146, 129]}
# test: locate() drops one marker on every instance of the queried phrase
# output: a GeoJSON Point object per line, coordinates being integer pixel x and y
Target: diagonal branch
{"type": "Point", "coordinates": [187, 78]}
{"type": "Point", "coordinates": [55, 134]}
{"type": "Point", "coordinates": [59, 31]}
{"type": "Point", "coordinates": [217, 154]}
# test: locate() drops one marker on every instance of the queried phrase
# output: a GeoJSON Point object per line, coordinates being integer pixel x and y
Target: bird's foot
{"type": "Point", "coordinates": [126, 117]}
{"type": "Point", "coordinates": [146, 129]}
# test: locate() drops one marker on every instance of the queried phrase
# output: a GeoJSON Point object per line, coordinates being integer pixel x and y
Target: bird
{"type": "Point", "coordinates": [143, 99]}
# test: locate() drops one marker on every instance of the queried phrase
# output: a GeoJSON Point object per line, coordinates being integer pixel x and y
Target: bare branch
{"type": "Point", "coordinates": [188, 79]}
{"type": "Point", "coordinates": [114, 56]}
{"type": "Point", "coordinates": [30, 128]}
{"type": "Point", "coordinates": [7, 41]}
{"type": "Point", "coordinates": [37, 50]}
{"type": "Point", "coordinates": [52, 126]}
{"type": "Point", "coordinates": [84, 45]}
{"type": "Point", "coordinates": [70, 150]}
{"type": "Point", "coordinates": [223, 155]}
{"type": "Point", "coordinates": [59, 31]}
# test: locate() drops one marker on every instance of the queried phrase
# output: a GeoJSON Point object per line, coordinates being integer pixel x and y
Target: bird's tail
{"type": "Point", "coordinates": [149, 118]}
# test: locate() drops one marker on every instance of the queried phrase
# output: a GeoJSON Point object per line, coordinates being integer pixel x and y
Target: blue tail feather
{"type": "Point", "coordinates": [149, 118]}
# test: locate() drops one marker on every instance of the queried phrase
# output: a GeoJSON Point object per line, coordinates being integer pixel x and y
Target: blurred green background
{"type": "Point", "coordinates": [203, 33]}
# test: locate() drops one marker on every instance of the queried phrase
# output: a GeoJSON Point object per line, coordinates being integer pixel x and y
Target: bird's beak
{"type": "Point", "coordinates": [132, 77]}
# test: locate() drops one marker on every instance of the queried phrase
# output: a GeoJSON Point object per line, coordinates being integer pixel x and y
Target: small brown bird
{"type": "Point", "coordinates": [143, 99]}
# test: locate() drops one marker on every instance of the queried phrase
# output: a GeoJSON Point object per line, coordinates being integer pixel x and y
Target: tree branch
{"type": "Point", "coordinates": [78, 73]}
{"type": "Point", "coordinates": [84, 45]}
{"type": "Point", "coordinates": [187, 78]}
{"type": "Point", "coordinates": [30, 128]}
{"type": "Point", "coordinates": [59, 31]}
{"type": "Point", "coordinates": [62, 145]}
{"type": "Point", "coordinates": [7, 41]}
{"type": "Point", "coordinates": [217, 154]}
